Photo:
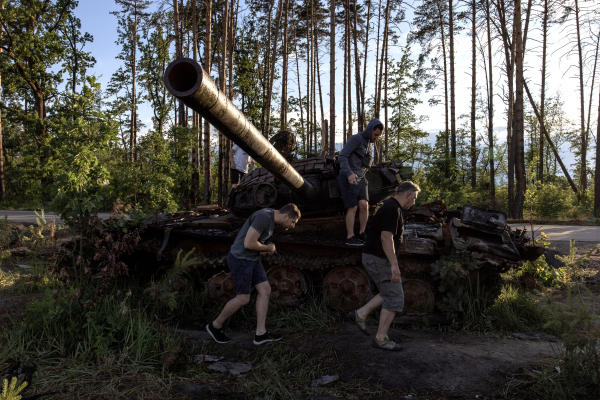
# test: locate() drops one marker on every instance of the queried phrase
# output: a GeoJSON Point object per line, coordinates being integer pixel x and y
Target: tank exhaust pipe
{"type": "Point", "coordinates": [188, 81]}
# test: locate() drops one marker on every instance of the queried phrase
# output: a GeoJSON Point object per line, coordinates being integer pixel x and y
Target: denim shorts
{"type": "Point", "coordinates": [351, 194]}
{"type": "Point", "coordinates": [245, 273]}
{"type": "Point", "coordinates": [380, 270]}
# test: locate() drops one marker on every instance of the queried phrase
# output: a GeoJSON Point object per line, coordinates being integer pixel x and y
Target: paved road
{"type": "Point", "coordinates": [565, 232]}
{"type": "Point", "coordinates": [554, 232]}
{"type": "Point", "coordinates": [30, 217]}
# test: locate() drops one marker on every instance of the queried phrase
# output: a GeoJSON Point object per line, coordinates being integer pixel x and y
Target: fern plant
{"type": "Point", "coordinates": [161, 291]}
{"type": "Point", "coordinates": [11, 392]}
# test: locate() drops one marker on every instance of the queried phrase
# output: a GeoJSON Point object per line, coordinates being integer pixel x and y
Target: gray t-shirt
{"type": "Point", "coordinates": [263, 221]}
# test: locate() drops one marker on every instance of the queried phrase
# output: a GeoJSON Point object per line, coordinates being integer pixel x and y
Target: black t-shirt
{"type": "Point", "coordinates": [387, 218]}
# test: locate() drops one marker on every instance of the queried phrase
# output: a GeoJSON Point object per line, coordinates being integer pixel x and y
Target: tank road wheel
{"type": "Point", "coordinates": [347, 288]}
{"type": "Point", "coordinates": [220, 287]}
{"type": "Point", "coordinates": [289, 285]}
{"type": "Point", "coordinates": [418, 297]}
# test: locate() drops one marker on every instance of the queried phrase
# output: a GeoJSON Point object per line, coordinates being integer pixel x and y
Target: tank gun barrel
{"type": "Point", "coordinates": [188, 81]}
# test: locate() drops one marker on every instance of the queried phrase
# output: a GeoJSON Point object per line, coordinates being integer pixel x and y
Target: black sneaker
{"type": "Point", "coordinates": [354, 241]}
{"type": "Point", "coordinates": [267, 337]}
{"type": "Point", "coordinates": [217, 334]}
{"type": "Point", "coordinates": [362, 237]}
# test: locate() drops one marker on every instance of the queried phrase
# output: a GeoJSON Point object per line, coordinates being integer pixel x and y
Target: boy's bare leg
{"type": "Point", "coordinates": [231, 308]}
{"type": "Point", "coordinates": [262, 306]}
{"type": "Point", "coordinates": [373, 304]}
{"type": "Point", "coordinates": [363, 214]}
{"type": "Point", "coordinates": [385, 320]}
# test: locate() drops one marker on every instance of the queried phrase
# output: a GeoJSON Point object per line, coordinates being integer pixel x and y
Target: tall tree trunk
{"type": "Point", "coordinates": [332, 78]}
{"type": "Point", "coordinates": [587, 126]}
{"type": "Point", "coordinates": [319, 84]}
{"type": "Point", "coordinates": [452, 85]}
{"type": "Point", "coordinates": [383, 51]}
{"type": "Point", "coordinates": [549, 140]}
{"type": "Point", "coordinates": [299, 91]}
{"type": "Point", "coordinates": [207, 66]}
{"type": "Point", "coordinates": [284, 77]}
{"type": "Point", "coordinates": [491, 109]}
{"type": "Point", "coordinates": [364, 76]}
{"type": "Point", "coordinates": [473, 94]}
{"type": "Point", "coordinates": [518, 113]}
{"type": "Point", "coordinates": [344, 137]}
{"type": "Point", "coordinates": [349, 66]}
{"type": "Point", "coordinates": [543, 92]}
{"type": "Point", "coordinates": [444, 56]}
{"type": "Point", "coordinates": [195, 117]}
{"type": "Point", "coordinates": [272, 69]}
{"type": "Point", "coordinates": [386, 104]}
{"type": "Point", "coordinates": [223, 157]}
{"type": "Point", "coordinates": [377, 56]}
{"type": "Point", "coordinates": [597, 172]}
{"type": "Point", "coordinates": [583, 170]}
{"type": "Point", "coordinates": [2, 186]}
{"type": "Point", "coordinates": [133, 131]}
{"type": "Point", "coordinates": [181, 118]}
{"type": "Point", "coordinates": [357, 71]}
{"type": "Point", "coordinates": [308, 88]}
{"type": "Point", "coordinates": [267, 68]}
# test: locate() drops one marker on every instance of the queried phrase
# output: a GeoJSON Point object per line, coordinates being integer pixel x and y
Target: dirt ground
{"type": "Point", "coordinates": [433, 362]}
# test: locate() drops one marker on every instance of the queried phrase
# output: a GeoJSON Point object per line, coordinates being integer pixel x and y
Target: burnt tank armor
{"type": "Point", "coordinates": [313, 254]}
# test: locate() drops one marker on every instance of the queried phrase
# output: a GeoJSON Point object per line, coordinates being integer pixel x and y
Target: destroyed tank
{"type": "Point", "coordinates": [312, 257]}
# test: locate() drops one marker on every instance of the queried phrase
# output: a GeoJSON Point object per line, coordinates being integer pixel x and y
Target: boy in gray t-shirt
{"type": "Point", "coordinates": [247, 270]}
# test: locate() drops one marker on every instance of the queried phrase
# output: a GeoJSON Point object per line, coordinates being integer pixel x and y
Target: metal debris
{"type": "Point", "coordinates": [201, 358]}
{"type": "Point", "coordinates": [324, 380]}
{"type": "Point", "coordinates": [236, 369]}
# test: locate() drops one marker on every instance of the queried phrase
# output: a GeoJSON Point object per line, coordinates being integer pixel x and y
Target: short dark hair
{"type": "Point", "coordinates": [408, 186]}
{"type": "Point", "coordinates": [291, 210]}
{"type": "Point", "coordinates": [380, 127]}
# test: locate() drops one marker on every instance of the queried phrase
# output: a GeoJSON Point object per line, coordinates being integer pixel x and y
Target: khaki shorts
{"type": "Point", "coordinates": [380, 270]}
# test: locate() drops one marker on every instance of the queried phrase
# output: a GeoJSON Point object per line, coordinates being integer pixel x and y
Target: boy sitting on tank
{"type": "Point", "coordinates": [379, 259]}
{"type": "Point", "coordinates": [354, 160]}
{"type": "Point", "coordinates": [243, 260]}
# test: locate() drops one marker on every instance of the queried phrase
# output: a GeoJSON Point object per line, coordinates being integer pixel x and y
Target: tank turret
{"type": "Point", "coordinates": [310, 183]}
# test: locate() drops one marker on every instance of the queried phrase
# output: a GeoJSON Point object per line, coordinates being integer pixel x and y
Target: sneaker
{"type": "Point", "coordinates": [362, 237]}
{"type": "Point", "coordinates": [386, 344]}
{"type": "Point", "coordinates": [361, 323]}
{"type": "Point", "coordinates": [267, 337]}
{"type": "Point", "coordinates": [217, 334]}
{"type": "Point", "coordinates": [354, 241]}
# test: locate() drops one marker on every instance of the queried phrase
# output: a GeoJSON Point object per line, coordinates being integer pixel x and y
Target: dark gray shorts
{"type": "Point", "coordinates": [380, 270]}
{"type": "Point", "coordinates": [245, 273]}
{"type": "Point", "coordinates": [351, 194]}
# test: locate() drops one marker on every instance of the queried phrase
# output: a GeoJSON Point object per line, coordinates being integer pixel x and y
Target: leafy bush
{"type": "Point", "coordinates": [453, 272]}
{"type": "Point", "coordinates": [515, 311]}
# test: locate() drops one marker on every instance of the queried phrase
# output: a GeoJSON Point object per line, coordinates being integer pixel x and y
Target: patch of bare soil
{"type": "Point", "coordinates": [433, 362]}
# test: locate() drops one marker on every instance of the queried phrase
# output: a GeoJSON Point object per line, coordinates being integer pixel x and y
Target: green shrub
{"type": "Point", "coordinates": [515, 311]}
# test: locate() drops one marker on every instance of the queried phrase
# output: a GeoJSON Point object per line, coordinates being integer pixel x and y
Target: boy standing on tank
{"type": "Point", "coordinates": [239, 161]}
{"type": "Point", "coordinates": [253, 240]}
{"type": "Point", "coordinates": [354, 161]}
{"type": "Point", "coordinates": [380, 261]}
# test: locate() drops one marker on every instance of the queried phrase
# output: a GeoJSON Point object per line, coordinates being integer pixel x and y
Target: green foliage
{"type": "Point", "coordinates": [160, 291]}
{"type": "Point", "coordinates": [544, 273]}
{"type": "Point", "coordinates": [11, 392]}
{"type": "Point", "coordinates": [453, 274]}
{"type": "Point", "coordinates": [576, 373]}
{"type": "Point", "coordinates": [515, 311]}
{"type": "Point", "coordinates": [61, 320]}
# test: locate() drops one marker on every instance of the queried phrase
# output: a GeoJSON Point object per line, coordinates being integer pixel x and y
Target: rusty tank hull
{"type": "Point", "coordinates": [312, 258]}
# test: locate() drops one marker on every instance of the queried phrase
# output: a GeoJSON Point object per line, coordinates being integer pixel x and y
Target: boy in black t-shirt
{"type": "Point", "coordinates": [379, 259]}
